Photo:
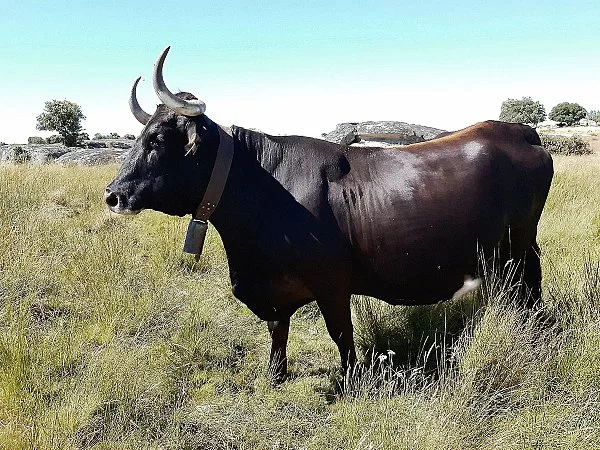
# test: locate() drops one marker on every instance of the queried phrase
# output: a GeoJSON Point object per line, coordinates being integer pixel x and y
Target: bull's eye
{"type": "Point", "coordinates": [155, 141]}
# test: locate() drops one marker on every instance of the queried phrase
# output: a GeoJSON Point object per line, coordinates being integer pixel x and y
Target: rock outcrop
{"type": "Point", "coordinates": [93, 156]}
{"type": "Point", "coordinates": [388, 132]}
{"type": "Point", "coordinates": [35, 153]}
{"type": "Point", "coordinates": [92, 152]}
{"type": "Point", "coordinates": [344, 133]}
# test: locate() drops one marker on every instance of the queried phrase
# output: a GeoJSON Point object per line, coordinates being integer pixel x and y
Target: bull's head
{"type": "Point", "coordinates": [170, 163]}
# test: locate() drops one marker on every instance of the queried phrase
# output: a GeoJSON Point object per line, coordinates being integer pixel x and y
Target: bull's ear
{"type": "Point", "coordinates": [193, 139]}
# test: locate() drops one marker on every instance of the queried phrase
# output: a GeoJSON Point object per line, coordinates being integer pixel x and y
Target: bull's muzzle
{"type": "Point", "coordinates": [111, 199]}
{"type": "Point", "coordinates": [117, 203]}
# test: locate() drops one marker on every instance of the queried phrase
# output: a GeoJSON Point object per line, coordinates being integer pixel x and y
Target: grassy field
{"type": "Point", "coordinates": [111, 338]}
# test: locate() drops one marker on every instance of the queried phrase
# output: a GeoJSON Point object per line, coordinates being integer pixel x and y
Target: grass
{"type": "Point", "coordinates": [111, 338]}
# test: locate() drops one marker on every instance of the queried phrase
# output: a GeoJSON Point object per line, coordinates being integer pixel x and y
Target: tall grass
{"type": "Point", "coordinates": [111, 338]}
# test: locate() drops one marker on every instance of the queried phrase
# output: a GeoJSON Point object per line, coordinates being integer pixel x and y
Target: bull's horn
{"type": "Point", "coordinates": [142, 116]}
{"type": "Point", "coordinates": [185, 107]}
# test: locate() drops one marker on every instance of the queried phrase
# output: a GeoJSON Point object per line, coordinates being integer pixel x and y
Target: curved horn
{"type": "Point", "coordinates": [185, 107]}
{"type": "Point", "coordinates": [142, 116]}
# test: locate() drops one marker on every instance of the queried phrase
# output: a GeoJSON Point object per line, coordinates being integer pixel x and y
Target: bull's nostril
{"type": "Point", "coordinates": [111, 198]}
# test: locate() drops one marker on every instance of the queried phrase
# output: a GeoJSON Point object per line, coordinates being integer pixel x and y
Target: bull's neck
{"type": "Point", "coordinates": [259, 147]}
{"type": "Point", "coordinates": [250, 186]}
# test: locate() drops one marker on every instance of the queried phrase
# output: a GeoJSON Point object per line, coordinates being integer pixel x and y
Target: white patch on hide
{"type": "Point", "coordinates": [470, 285]}
{"type": "Point", "coordinates": [472, 149]}
{"type": "Point", "coordinates": [404, 175]}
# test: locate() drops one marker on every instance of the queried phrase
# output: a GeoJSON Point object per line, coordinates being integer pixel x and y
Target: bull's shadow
{"type": "Point", "coordinates": [402, 347]}
{"type": "Point", "coordinates": [423, 336]}
{"type": "Point", "coordinates": [411, 336]}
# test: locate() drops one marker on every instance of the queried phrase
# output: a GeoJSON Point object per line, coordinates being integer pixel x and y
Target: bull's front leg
{"type": "Point", "coordinates": [279, 331]}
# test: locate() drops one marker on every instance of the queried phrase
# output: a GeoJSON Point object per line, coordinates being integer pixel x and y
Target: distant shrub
{"type": "Point", "coordinates": [569, 113]}
{"type": "Point", "coordinates": [594, 115]}
{"type": "Point", "coordinates": [84, 137]}
{"type": "Point", "coordinates": [565, 145]}
{"type": "Point", "coordinates": [36, 140]}
{"type": "Point", "coordinates": [109, 136]}
{"type": "Point", "coordinates": [21, 155]}
{"type": "Point", "coordinates": [129, 136]}
{"type": "Point", "coordinates": [54, 139]}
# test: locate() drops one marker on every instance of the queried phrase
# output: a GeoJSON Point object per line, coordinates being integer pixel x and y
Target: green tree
{"type": "Point", "coordinates": [65, 118]}
{"type": "Point", "coordinates": [569, 113]}
{"type": "Point", "coordinates": [525, 110]}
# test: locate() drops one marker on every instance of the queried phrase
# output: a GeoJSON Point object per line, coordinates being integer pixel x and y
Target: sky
{"type": "Point", "coordinates": [296, 67]}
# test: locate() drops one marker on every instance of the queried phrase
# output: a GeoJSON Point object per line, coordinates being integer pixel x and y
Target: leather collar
{"type": "Point", "coordinates": [218, 177]}
{"type": "Point", "coordinates": [198, 226]}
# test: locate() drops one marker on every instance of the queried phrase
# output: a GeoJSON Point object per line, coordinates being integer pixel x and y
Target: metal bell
{"type": "Point", "coordinates": [194, 239]}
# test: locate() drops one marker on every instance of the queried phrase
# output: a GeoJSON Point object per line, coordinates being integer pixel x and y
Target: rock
{"type": "Point", "coordinates": [94, 152]}
{"type": "Point", "coordinates": [388, 132]}
{"type": "Point", "coordinates": [587, 123]}
{"type": "Point", "coordinates": [121, 144]}
{"type": "Point", "coordinates": [93, 156]}
{"type": "Point", "coordinates": [344, 133]}
{"type": "Point", "coordinates": [108, 143]}
{"type": "Point", "coordinates": [41, 154]}
{"type": "Point", "coordinates": [95, 144]}
{"type": "Point", "coordinates": [38, 154]}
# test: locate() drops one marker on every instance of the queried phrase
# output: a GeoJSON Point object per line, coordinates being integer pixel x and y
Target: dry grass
{"type": "Point", "coordinates": [111, 338]}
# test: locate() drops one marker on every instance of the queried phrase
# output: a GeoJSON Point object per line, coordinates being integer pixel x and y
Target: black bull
{"type": "Point", "coordinates": [302, 219]}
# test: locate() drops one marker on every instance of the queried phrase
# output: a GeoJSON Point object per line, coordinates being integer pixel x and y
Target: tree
{"type": "Point", "coordinates": [569, 113]}
{"type": "Point", "coordinates": [65, 118]}
{"type": "Point", "coordinates": [525, 110]}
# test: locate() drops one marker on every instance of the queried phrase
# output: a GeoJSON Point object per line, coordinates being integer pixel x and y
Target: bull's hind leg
{"type": "Point", "coordinates": [520, 246]}
{"type": "Point", "coordinates": [525, 253]}
{"type": "Point", "coordinates": [531, 288]}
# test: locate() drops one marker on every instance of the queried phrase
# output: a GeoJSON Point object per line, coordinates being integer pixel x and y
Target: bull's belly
{"type": "Point", "coordinates": [427, 288]}
{"type": "Point", "coordinates": [421, 274]}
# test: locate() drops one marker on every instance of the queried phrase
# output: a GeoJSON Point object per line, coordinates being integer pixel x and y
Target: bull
{"type": "Point", "coordinates": [304, 220]}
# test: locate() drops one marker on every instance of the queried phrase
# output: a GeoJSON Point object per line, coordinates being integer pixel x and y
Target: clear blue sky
{"type": "Point", "coordinates": [297, 67]}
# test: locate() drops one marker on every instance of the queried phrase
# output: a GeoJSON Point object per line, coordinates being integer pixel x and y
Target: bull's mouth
{"type": "Point", "coordinates": [124, 211]}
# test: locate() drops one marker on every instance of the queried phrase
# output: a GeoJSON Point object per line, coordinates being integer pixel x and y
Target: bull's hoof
{"type": "Point", "coordinates": [276, 379]}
